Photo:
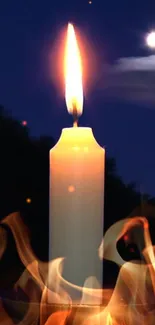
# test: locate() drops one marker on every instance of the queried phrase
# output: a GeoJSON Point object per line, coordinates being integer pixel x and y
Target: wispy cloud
{"type": "Point", "coordinates": [132, 79]}
{"type": "Point", "coordinates": [136, 64]}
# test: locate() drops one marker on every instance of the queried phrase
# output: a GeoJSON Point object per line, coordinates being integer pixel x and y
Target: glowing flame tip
{"type": "Point", "coordinates": [73, 74]}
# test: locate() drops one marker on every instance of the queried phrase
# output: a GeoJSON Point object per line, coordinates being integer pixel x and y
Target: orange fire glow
{"type": "Point", "coordinates": [73, 74]}
{"type": "Point", "coordinates": [50, 301]}
{"type": "Point", "coordinates": [109, 320]}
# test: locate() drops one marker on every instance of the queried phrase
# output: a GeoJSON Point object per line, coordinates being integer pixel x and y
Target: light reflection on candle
{"type": "Point", "coordinates": [71, 189]}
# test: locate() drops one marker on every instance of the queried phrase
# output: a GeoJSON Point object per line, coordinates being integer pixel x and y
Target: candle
{"type": "Point", "coordinates": [76, 184]}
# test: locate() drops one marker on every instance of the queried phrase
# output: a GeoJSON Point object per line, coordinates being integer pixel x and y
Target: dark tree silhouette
{"type": "Point", "coordinates": [120, 198]}
{"type": "Point", "coordinates": [24, 174]}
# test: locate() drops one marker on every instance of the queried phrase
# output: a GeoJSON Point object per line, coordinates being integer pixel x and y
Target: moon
{"type": "Point", "coordinates": [150, 39]}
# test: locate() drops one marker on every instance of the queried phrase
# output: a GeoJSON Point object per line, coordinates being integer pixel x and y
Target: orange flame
{"type": "Point", "coordinates": [51, 297]}
{"type": "Point", "coordinates": [109, 320]}
{"type": "Point", "coordinates": [73, 74]}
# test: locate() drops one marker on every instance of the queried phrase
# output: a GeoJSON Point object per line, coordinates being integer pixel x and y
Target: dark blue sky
{"type": "Point", "coordinates": [28, 29]}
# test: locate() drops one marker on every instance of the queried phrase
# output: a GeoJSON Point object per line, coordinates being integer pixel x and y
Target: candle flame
{"type": "Point", "coordinates": [73, 74]}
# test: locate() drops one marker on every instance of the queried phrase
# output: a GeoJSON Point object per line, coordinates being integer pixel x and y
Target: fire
{"type": "Point", "coordinates": [50, 299]}
{"type": "Point", "coordinates": [73, 74]}
{"type": "Point", "coordinates": [109, 320]}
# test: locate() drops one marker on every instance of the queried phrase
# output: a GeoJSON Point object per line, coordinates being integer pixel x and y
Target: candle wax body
{"type": "Point", "coordinates": [76, 203]}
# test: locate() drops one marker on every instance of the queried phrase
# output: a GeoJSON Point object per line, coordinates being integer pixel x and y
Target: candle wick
{"type": "Point", "coordinates": [75, 123]}
{"type": "Point", "coordinates": [75, 117]}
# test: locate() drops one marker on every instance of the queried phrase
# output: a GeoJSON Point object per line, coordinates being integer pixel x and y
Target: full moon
{"type": "Point", "coordinates": [150, 39]}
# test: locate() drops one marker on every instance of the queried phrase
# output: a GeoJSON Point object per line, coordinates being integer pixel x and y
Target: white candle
{"type": "Point", "coordinates": [76, 193]}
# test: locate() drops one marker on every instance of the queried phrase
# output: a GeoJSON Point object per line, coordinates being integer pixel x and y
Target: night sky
{"type": "Point", "coordinates": [29, 30]}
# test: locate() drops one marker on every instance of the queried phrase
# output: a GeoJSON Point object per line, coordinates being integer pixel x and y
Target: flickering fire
{"type": "Point", "coordinates": [109, 320]}
{"type": "Point", "coordinates": [73, 74]}
{"type": "Point", "coordinates": [131, 302]}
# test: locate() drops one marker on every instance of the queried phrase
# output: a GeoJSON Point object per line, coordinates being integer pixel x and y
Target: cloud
{"type": "Point", "coordinates": [131, 79]}
{"type": "Point", "coordinates": [136, 64]}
